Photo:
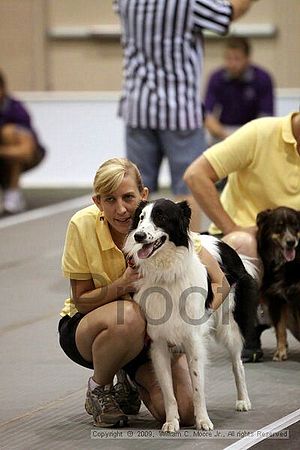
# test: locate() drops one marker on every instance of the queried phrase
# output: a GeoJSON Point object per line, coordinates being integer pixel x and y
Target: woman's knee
{"type": "Point", "coordinates": [243, 242]}
{"type": "Point", "coordinates": [125, 324]}
{"type": "Point", "coordinates": [121, 316]}
{"type": "Point", "coordinates": [119, 320]}
{"type": "Point", "coordinates": [9, 135]}
{"type": "Point", "coordinates": [129, 320]}
{"type": "Point", "coordinates": [21, 140]}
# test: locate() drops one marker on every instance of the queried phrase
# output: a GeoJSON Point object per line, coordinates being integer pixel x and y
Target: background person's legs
{"type": "Point", "coordinates": [143, 149]}
{"type": "Point", "coordinates": [13, 200]}
{"type": "Point", "coordinates": [18, 148]}
{"type": "Point", "coordinates": [146, 148]}
{"type": "Point", "coordinates": [182, 148]}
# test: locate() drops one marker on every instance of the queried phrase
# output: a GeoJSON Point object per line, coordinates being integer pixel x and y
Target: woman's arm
{"type": "Point", "coordinates": [219, 283]}
{"type": "Point", "coordinates": [200, 178]}
{"type": "Point", "coordinates": [86, 297]}
{"type": "Point", "coordinates": [215, 127]}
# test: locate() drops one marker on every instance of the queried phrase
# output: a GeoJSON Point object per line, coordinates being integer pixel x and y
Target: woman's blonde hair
{"type": "Point", "coordinates": [111, 173]}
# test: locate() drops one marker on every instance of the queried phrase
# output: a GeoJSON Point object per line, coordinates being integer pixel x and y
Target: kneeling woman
{"type": "Point", "coordinates": [101, 327]}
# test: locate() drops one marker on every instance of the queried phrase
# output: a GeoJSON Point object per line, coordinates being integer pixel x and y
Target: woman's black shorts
{"type": "Point", "coordinates": [67, 328]}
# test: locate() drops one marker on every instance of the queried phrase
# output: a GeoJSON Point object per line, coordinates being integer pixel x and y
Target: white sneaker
{"type": "Point", "coordinates": [13, 201]}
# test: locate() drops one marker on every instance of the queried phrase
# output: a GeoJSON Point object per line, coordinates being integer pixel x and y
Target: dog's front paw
{"type": "Point", "coordinates": [243, 405]}
{"type": "Point", "coordinates": [280, 355]}
{"type": "Point", "coordinates": [204, 423]}
{"type": "Point", "coordinates": [171, 426]}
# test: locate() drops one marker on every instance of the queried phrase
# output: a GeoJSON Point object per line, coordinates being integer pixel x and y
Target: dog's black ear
{"type": "Point", "coordinates": [136, 216]}
{"type": "Point", "coordinates": [186, 212]}
{"type": "Point", "coordinates": [262, 217]}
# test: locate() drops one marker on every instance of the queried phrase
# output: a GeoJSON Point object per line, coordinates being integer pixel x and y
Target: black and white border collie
{"type": "Point", "coordinates": [278, 244]}
{"type": "Point", "coordinates": [175, 291]}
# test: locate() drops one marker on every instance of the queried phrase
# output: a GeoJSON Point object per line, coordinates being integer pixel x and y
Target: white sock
{"type": "Point", "coordinates": [93, 384]}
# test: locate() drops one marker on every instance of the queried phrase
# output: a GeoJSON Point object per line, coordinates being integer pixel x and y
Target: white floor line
{"type": "Point", "coordinates": [46, 211]}
{"type": "Point", "coordinates": [264, 433]}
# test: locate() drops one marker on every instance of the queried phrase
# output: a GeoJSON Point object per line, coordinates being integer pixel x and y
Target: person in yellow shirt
{"type": "Point", "coordinates": [262, 162]}
{"type": "Point", "coordinates": [101, 327]}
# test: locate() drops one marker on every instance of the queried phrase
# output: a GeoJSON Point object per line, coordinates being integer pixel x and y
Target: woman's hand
{"type": "Point", "coordinates": [219, 284]}
{"type": "Point", "coordinates": [86, 297]}
{"type": "Point", "coordinates": [129, 278]}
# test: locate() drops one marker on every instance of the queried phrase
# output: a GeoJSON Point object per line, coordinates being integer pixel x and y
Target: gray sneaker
{"type": "Point", "coordinates": [127, 396]}
{"type": "Point", "coordinates": [102, 405]}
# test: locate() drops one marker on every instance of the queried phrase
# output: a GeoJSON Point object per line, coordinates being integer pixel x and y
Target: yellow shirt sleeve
{"type": "Point", "coordinates": [74, 260]}
{"type": "Point", "coordinates": [235, 152]}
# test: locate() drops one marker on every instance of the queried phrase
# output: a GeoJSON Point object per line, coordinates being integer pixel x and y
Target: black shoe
{"type": "Point", "coordinates": [252, 351]}
{"type": "Point", "coordinates": [252, 355]}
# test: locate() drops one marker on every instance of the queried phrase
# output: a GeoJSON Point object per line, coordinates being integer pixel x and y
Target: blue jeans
{"type": "Point", "coordinates": [147, 147]}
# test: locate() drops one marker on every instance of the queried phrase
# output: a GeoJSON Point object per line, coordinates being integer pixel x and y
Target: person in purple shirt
{"type": "Point", "coordinates": [238, 92]}
{"type": "Point", "coordinates": [20, 149]}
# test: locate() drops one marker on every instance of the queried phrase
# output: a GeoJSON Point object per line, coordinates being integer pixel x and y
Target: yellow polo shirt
{"type": "Point", "coordinates": [263, 168]}
{"type": "Point", "coordinates": [90, 253]}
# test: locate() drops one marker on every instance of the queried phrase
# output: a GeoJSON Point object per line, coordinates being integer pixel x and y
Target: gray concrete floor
{"type": "Point", "coordinates": [42, 391]}
{"type": "Point", "coordinates": [37, 197]}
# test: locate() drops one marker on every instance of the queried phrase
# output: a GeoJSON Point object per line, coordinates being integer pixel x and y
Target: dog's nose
{"type": "Point", "coordinates": [291, 243]}
{"type": "Point", "coordinates": [140, 236]}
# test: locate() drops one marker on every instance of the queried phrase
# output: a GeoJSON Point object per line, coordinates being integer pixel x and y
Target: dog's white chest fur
{"type": "Point", "coordinates": [172, 295]}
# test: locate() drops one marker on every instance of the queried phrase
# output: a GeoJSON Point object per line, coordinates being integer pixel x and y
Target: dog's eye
{"type": "Point", "coordinates": [142, 217]}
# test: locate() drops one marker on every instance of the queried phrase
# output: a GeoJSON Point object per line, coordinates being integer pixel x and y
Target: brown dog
{"type": "Point", "coordinates": [278, 245]}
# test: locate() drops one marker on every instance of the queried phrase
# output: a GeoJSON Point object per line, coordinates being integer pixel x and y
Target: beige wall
{"type": "Point", "coordinates": [33, 60]}
{"type": "Point", "coordinates": [22, 43]}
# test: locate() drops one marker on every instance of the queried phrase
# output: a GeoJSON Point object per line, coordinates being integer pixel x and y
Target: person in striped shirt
{"type": "Point", "coordinates": [163, 64]}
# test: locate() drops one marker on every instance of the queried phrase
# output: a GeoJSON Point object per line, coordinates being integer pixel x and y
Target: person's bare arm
{"type": "Point", "coordinates": [215, 127]}
{"type": "Point", "coordinates": [219, 283]}
{"type": "Point", "coordinates": [200, 178]}
{"type": "Point", "coordinates": [17, 145]}
{"type": "Point", "coordinates": [240, 7]}
{"type": "Point", "coordinates": [86, 298]}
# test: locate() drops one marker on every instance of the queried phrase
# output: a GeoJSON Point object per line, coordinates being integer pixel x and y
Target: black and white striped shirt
{"type": "Point", "coordinates": [163, 59]}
